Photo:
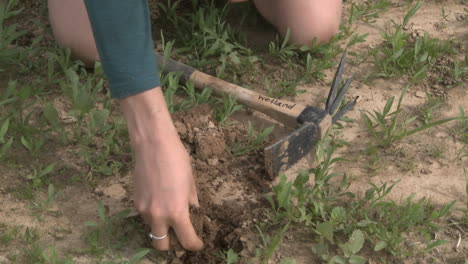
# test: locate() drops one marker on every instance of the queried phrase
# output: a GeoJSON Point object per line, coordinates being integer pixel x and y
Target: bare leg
{"type": "Point", "coordinates": [71, 27]}
{"type": "Point", "coordinates": [306, 19]}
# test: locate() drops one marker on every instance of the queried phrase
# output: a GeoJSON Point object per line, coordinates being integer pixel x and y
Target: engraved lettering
{"type": "Point", "coordinates": [276, 102]}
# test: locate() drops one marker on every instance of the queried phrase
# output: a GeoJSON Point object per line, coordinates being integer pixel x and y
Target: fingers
{"type": "Point", "coordinates": [186, 234]}
{"type": "Point", "coordinates": [160, 229]}
{"type": "Point", "coordinates": [193, 199]}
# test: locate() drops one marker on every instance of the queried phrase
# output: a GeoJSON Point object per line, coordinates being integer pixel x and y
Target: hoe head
{"type": "Point", "coordinates": [313, 125]}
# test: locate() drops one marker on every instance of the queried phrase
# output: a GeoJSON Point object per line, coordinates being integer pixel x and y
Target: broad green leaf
{"type": "Point", "coordinates": [26, 143]}
{"type": "Point", "coordinates": [381, 245]}
{"type": "Point", "coordinates": [231, 257]}
{"type": "Point", "coordinates": [326, 230]}
{"type": "Point", "coordinates": [356, 241]}
{"type": "Point", "coordinates": [357, 260]}
{"type": "Point", "coordinates": [47, 170]}
{"type": "Point", "coordinates": [338, 214]}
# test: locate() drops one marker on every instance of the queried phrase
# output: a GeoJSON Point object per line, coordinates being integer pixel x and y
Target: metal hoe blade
{"type": "Point", "coordinates": [315, 123]}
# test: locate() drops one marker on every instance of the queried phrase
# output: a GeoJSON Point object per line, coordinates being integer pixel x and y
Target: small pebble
{"type": "Point", "coordinates": [420, 94]}
{"type": "Point", "coordinates": [441, 135]}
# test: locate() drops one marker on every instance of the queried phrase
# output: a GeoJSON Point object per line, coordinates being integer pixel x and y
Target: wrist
{"type": "Point", "coordinates": [148, 119]}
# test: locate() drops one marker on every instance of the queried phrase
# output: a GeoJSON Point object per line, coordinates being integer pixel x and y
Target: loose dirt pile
{"type": "Point", "coordinates": [227, 188]}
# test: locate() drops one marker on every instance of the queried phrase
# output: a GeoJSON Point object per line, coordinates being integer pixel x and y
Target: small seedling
{"type": "Point", "coordinates": [102, 236]}
{"type": "Point", "coordinates": [38, 176]}
{"type": "Point", "coordinates": [253, 142]}
{"type": "Point", "coordinates": [283, 49]}
{"type": "Point", "coordinates": [43, 207]}
{"type": "Point", "coordinates": [229, 256]}
{"type": "Point", "coordinates": [228, 107]}
{"type": "Point", "coordinates": [427, 111]}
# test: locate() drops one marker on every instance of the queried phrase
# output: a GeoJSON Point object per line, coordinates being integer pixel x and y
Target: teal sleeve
{"type": "Point", "coordinates": [122, 31]}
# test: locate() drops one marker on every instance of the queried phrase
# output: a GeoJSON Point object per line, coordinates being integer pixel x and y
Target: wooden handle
{"type": "Point", "coordinates": [281, 110]}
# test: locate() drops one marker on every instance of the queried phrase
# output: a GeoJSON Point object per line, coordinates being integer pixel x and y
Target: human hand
{"type": "Point", "coordinates": [164, 184]}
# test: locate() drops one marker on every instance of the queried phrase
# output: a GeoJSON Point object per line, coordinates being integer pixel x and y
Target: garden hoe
{"type": "Point", "coordinates": [311, 123]}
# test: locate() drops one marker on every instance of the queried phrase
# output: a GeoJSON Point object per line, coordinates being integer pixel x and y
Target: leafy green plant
{"type": "Point", "coordinates": [367, 11]}
{"type": "Point", "coordinates": [350, 249]}
{"type": "Point", "coordinates": [389, 127]}
{"type": "Point", "coordinates": [283, 49]}
{"type": "Point", "coordinates": [9, 52]}
{"type": "Point", "coordinates": [401, 54]}
{"type": "Point", "coordinates": [253, 142]}
{"type": "Point", "coordinates": [38, 176]}
{"type": "Point", "coordinates": [102, 236]}
{"type": "Point", "coordinates": [427, 111]}
{"type": "Point", "coordinates": [270, 244]}
{"type": "Point", "coordinates": [43, 207]}
{"type": "Point", "coordinates": [229, 256]}
{"type": "Point", "coordinates": [228, 107]}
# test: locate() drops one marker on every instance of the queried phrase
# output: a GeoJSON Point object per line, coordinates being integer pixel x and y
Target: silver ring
{"type": "Point", "coordinates": [153, 237]}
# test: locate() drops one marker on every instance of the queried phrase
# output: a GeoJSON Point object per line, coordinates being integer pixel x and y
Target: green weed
{"type": "Point", "coordinates": [270, 244]}
{"type": "Point", "coordinates": [229, 256]}
{"type": "Point", "coordinates": [427, 111]}
{"type": "Point", "coordinates": [228, 106]}
{"type": "Point", "coordinates": [253, 143]}
{"type": "Point", "coordinates": [389, 127]}
{"type": "Point", "coordinates": [8, 234]}
{"type": "Point", "coordinates": [367, 11]}
{"type": "Point", "coordinates": [38, 177]}
{"type": "Point", "coordinates": [9, 52]}
{"type": "Point", "coordinates": [102, 236]}
{"type": "Point", "coordinates": [206, 37]}
{"type": "Point", "coordinates": [401, 54]}
{"type": "Point", "coordinates": [43, 207]}
{"type": "Point", "coordinates": [282, 48]}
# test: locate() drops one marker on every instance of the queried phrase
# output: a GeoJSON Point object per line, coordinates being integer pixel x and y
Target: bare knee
{"type": "Point", "coordinates": [306, 19]}
{"type": "Point", "coordinates": [72, 29]}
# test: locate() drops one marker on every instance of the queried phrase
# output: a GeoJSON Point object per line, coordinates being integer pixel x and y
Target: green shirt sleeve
{"type": "Point", "coordinates": [122, 31]}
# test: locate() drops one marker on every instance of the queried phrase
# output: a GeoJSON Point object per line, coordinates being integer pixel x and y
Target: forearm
{"type": "Point", "coordinates": [122, 31]}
